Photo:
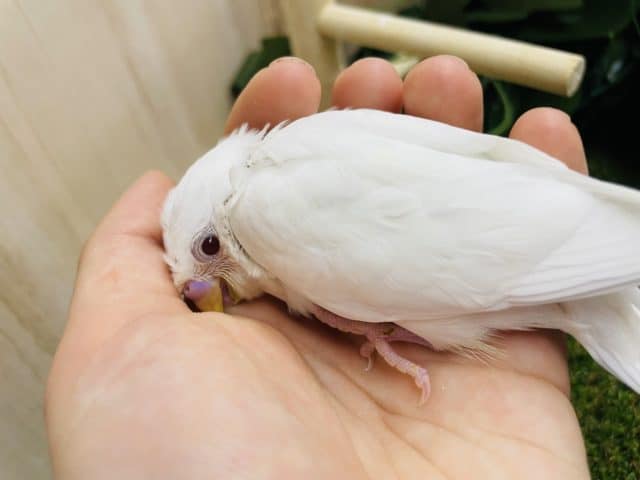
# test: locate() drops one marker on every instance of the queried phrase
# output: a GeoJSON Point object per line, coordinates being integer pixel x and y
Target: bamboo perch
{"type": "Point", "coordinates": [518, 62]}
{"type": "Point", "coordinates": [314, 25]}
{"type": "Point", "coordinates": [307, 43]}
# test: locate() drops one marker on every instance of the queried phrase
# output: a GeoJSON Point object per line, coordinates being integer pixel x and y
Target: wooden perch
{"type": "Point", "coordinates": [542, 68]}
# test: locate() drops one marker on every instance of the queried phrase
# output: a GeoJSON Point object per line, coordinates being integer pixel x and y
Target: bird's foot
{"type": "Point", "coordinates": [366, 350]}
{"type": "Point", "coordinates": [379, 337]}
{"type": "Point", "coordinates": [419, 374]}
{"type": "Point", "coordinates": [390, 333]}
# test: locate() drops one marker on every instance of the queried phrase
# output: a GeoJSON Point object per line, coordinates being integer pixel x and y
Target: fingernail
{"type": "Point", "coordinates": [297, 60]}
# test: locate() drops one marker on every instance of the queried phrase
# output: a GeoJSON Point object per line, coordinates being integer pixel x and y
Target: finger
{"type": "Point", "coordinates": [122, 275]}
{"type": "Point", "coordinates": [137, 211]}
{"type": "Point", "coordinates": [443, 88]}
{"type": "Point", "coordinates": [552, 131]}
{"type": "Point", "coordinates": [286, 90]}
{"type": "Point", "coordinates": [368, 83]}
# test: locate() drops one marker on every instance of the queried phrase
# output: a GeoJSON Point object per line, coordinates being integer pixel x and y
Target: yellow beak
{"type": "Point", "coordinates": [213, 301]}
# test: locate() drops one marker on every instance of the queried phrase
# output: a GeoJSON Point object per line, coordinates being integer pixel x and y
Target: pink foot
{"type": "Point", "coordinates": [379, 336]}
{"type": "Point", "coordinates": [366, 350]}
{"type": "Point", "coordinates": [419, 374]}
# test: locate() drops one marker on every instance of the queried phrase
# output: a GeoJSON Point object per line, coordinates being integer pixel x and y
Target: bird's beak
{"type": "Point", "coordinates": [207, 296]}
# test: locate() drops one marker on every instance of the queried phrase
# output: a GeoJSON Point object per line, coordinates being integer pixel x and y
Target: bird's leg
{"type": "Point", "coordinates": [366, 350]}
{"type": "Point", "coordinates": [419, 374]}
{"type": "Point", "coordinates": [396, 334]}
{"type": "Point", "coordinates": [379, 337]}
{"type": "Point", "coordinates": [399, 334]}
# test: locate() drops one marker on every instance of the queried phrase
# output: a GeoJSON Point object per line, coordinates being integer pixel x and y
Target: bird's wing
{"type": "Point", "coordinates": [412, 224]}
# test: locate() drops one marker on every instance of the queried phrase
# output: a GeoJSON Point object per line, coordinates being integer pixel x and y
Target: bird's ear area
{"type": "Point", "coordinates": [122, 275]}
{"type": "Point", "coordinates": [287, 89]}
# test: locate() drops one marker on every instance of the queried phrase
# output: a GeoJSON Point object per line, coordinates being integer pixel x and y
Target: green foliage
{"type": "Point", "coordinates": [609, 415]}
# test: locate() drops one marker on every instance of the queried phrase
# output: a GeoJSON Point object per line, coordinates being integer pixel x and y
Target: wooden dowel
{"type": "Point", "coordinates": [518, 62]}
{"type": "Point", "coordinates": [306, 42]}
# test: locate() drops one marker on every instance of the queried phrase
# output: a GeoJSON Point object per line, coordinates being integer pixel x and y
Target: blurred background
{"type": "Point", "coordinates": [93, 93]}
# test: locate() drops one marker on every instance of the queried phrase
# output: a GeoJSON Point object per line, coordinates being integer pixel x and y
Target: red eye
{"type": "Point", "coordinates": [210, 245]}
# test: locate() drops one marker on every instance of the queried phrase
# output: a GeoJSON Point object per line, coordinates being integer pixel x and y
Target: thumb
{"type": "Point", "coordinates": [122, 275]}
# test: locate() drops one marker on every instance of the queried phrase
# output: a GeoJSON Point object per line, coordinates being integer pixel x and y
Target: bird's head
{"type": "Point", "coordinates": [205, 260]}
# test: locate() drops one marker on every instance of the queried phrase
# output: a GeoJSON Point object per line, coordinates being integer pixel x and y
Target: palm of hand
{"type": "Point", "coordinates": [150, 389]}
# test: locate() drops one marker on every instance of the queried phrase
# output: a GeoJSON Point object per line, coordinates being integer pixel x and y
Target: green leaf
{"type": "Point", "coordinates": [496, 16]}
{"type": "Point", "coordinates": [534, 98]}
{"type": "Point", "coordinates": [597, 19]}
{"type": "Point", "coordinates": [611, 66]}
{"type": "Point", "coordinates": [503, 11]}
{"type": "Point", "coordinates": [532, 5]}
{"type": "Point", "coordinates": [500, 107]}
{"type": "Point", "coordinates": [450, 11]}
{"type": "Point", "coordinates": [634, 10]}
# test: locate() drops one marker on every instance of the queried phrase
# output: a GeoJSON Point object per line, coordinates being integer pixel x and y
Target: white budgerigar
{"type": "Point", "coordinates": [404, 229]}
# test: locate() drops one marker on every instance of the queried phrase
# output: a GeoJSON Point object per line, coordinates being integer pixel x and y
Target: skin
{"type": "Point", "coordinates": [143, 388]}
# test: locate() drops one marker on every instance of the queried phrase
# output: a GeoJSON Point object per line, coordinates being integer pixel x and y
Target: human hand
{"type": "Point", "coordinates": [143, 388]}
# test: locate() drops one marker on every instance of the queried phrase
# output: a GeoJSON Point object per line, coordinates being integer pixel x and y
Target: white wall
{"type": "Point", "coordinates": [92, 93]}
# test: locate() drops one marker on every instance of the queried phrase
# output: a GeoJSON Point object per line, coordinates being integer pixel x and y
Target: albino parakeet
{"type": "Point", "coordinates": [404, 229]}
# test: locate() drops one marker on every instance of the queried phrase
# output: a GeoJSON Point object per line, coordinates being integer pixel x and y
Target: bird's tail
{"type": "Point", "coordinates": [608, 326]}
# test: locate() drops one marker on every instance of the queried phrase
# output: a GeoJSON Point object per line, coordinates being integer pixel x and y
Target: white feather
{"type": "Point", "coordinates": [608, 326]}
{"type": "Point", "coordinates": [452, 234]}
{"type": "Point", "coordinates": [380, 217]}
{"type": "Point", "coordinates": [455, 233]}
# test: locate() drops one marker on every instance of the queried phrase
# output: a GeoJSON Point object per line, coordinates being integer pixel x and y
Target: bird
{"type": "Point", "coordinates": [404, 229]}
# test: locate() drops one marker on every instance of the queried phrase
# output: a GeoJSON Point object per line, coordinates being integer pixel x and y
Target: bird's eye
{"type": "Point", "coordinates": [210, 245]}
